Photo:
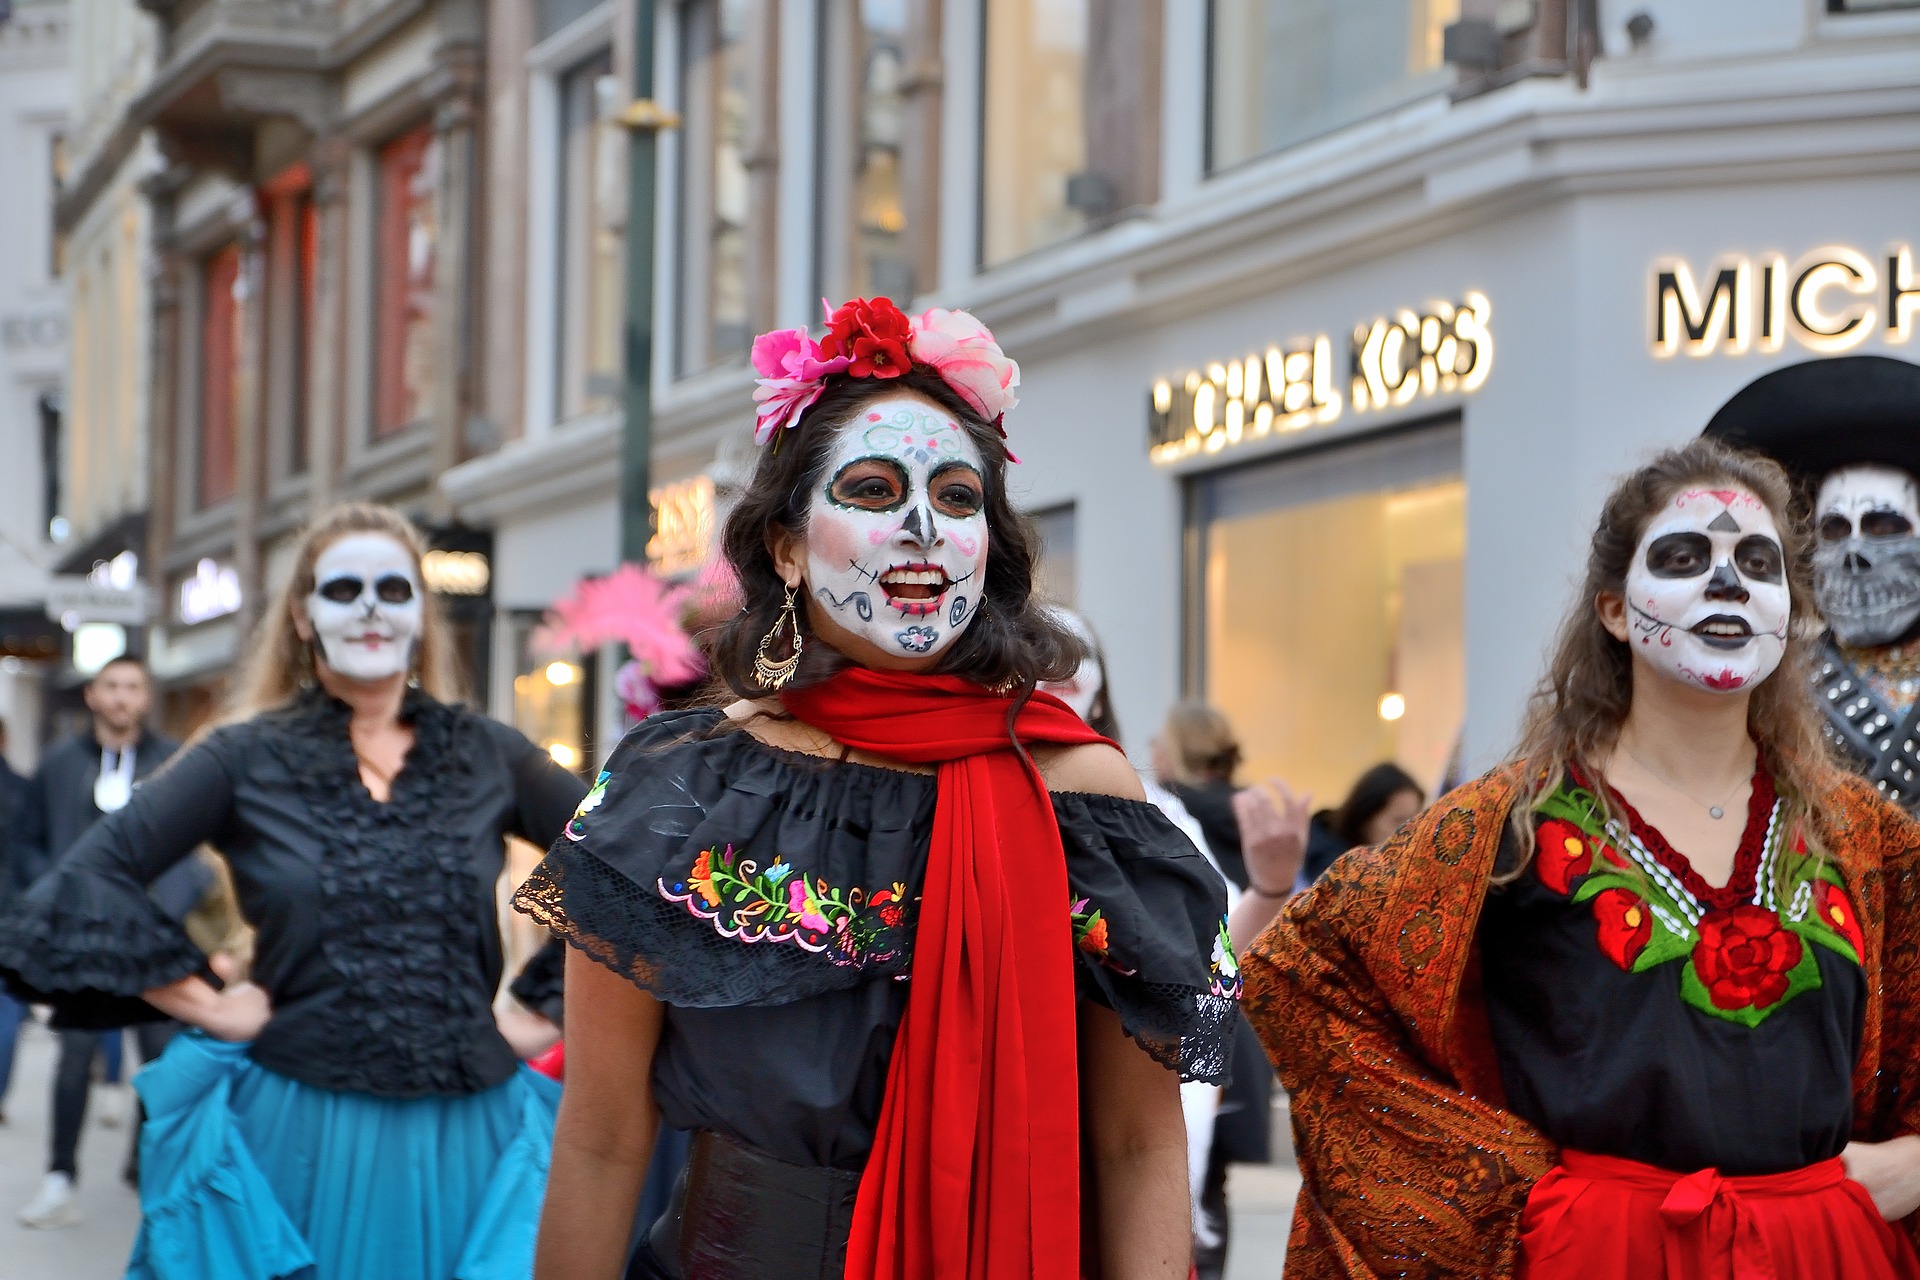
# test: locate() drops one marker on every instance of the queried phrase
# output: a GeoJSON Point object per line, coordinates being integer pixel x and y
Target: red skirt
{"type": "Point", "coordinates": [1604, 1218]}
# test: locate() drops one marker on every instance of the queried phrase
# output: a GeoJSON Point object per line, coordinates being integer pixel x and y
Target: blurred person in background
{"type": "Point", "coordinates": [1224, 1126]}
{"type": "Point", "coordinates": [1638, 1003]}
{"type": "Point", "coordinates": [353, 1111]}
{"type": "Point", "coordinates": [13, 790]}
{"type": "Point", "coordinates": [80, 781]}
{"type": "Point", "coordinates": [1195, 756]}
{"type": "Point", "coordinates": [1384, 799]}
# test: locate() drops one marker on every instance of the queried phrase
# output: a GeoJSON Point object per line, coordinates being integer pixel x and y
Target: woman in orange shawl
{"type": "Point", "coordinates": [1642, 1002]}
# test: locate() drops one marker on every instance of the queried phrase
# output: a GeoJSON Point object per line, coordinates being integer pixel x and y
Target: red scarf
{"type": "Point", "coordinates": [975, 1171]}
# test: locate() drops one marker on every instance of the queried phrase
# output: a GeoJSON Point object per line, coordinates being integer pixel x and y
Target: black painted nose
{"type": "Point", "coordinates": [1726, 585]}
{"type": "Point", "coordinates": [1857, 563]}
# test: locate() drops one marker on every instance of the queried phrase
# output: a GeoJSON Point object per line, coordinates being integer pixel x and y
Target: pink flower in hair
{"type": "Point", "coordinates": [793, 373]}
{"type": "Point", "coordinates": [967, 358]}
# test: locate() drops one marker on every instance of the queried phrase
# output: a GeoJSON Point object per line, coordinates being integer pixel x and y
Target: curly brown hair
{"type": "Point", "coordinates": [1014, 639]}
{"type": "Point", "coordinates": [1576, 711]}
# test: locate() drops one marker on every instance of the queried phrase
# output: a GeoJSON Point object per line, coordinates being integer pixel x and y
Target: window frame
{"type": "Point", "coordinates": [217, 390]}
{"type": "Point", "coordinates": [390, 288]}
{"type": "Point", "coordinates": [1211, 167]}
{"type": "Point", "coordinates": [547, 64]}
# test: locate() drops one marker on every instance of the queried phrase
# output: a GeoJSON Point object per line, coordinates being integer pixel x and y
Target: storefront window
{"type": "Point", "coordinates": [408, 181]}
{"type": "Point", "coordinates": [220, 316]}
{"type": "Point", "coordinates": [1331, 597]}
{"type": "Point", "coordinates": [1035, 138]}
{"type": "Point", "coordinates": [718, 80]}
{"type": "Point", "coordinates": [553, 700]}
{"type": "Point", "coordinates": [592, 209]}
{"type": "Point", "coordinates": [866, 125]}
{"type": "Point", "coordinates": [1056, 570]}
{"type": "Point", "coordinates": [1072, 126]}
{"type": "Point", "coordinates": [1285, 70]}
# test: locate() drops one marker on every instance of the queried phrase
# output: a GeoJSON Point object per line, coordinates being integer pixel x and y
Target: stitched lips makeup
{"type": "Point", "coordinates": [897, 531]}
{"type": "Point", "coordinates": [1707, 597]}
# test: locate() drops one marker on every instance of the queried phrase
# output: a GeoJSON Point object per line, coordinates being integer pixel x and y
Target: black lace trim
{"type": "Point", "coordinates": [605, 887]}
{"type": "Point", "coordinates": [400, 904]}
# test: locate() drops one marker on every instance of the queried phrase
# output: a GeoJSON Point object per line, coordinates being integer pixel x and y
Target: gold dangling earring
{"type": "Point", "coordinates": [771, 674]}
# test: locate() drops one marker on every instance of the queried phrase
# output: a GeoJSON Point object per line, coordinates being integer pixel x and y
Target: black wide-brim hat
{"type": "Point", "coordinates": [1823, 414]}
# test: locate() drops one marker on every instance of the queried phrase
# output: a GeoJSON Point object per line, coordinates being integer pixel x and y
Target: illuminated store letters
{"type": "Point", "coordinates": [1829, 300]}
{"type": "Point", "coordinates": [1390, 363]}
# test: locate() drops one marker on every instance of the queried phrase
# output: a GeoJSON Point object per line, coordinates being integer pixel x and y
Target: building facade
{"type": "Point", "coordinates": [34, 122]}
{"type": "Point", "coordinates": [1334, 321]}
{"type": "Point", "coordinates": [314, 211]}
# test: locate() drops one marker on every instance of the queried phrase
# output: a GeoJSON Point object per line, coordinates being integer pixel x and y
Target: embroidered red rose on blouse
{"type": "Point", "coordinates": [874, 334]}
{"type": "Point", "coordinates": [1837, 913]}
{"type": "Point", "coordinates": [1624, 924]}
{"type": "Point", "coordinates": [1564, 853]}
{"type": "Point", "coordinates": [1744, 958]}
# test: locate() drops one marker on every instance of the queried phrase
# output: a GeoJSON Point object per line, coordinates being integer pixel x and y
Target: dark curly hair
{"type": "Point", "coordinates": [1013, 639]}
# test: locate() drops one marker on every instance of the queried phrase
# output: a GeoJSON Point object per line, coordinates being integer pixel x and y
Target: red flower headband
{"type": "Point", "coordinates": [872, 338]}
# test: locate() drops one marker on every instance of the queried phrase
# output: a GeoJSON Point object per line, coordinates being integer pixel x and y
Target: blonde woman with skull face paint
{"type": "Point", "coordinates": [1641, 1002]}
{"type": "Point", "coordinates": [894, 934]}
{"type": "Point", "coordinates": [351, 1111]}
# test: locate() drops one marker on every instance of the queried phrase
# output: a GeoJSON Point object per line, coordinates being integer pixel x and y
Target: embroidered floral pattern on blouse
{"type": "Point", "coordinates": [1224, 970]}
{"type": "Point", "coordinates": [852, 927]}
{"type": "Point", "coordinates": [1739, 960]}
{"type": "Point", "coordinates": [576, 826]}
{"type": "Point", "coordinates": [1090, 931]}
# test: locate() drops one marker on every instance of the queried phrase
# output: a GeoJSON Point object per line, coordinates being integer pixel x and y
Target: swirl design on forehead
{"type": "Point", "coordinates": [913, 432]}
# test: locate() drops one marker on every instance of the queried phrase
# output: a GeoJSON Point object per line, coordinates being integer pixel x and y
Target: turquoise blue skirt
{"type": "Point", "coordinates": [248, 1175]}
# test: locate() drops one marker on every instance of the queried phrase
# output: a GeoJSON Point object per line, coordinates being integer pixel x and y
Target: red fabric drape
{"type": "Point", "coordinates": [975, 1171]}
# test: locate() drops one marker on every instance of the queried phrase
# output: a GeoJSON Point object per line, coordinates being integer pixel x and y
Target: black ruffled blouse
{"type": "Point", "coordinates": [769, 899]}
{"type": "Point", "coordinates": [377, 936]}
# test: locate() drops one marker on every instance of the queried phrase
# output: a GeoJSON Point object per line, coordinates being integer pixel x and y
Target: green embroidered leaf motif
{"type": "Point", "coordinates": [1814, 931]}
{"type": "Point", "coordinates": [1664, 947]}
{"type": "Point", "coordinates": [1804, 976]}
{"type": "Point", "coordinates": [1570, 804]}
{"type": "Point", "coordinates": [1599, 882]}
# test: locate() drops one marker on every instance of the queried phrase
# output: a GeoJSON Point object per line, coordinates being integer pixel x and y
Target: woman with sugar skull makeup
{"type": "Point", "coordinates": [1639, 1003]}
{"type": "Point", "coordinates": [1848, 429]}
{"type": "Point", "coordinates": [894, 934]}
{"type": "Point", "coordinates": [351, 1111]}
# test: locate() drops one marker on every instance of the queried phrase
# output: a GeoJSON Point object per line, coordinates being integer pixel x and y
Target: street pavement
{"type": "Point", "coordinates": [1261, 1196]}
{"type": "Point", "coordinates": [96, 1249]}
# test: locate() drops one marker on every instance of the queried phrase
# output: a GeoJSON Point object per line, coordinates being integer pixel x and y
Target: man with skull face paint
{"type": "Point", "coordinates": [895, 931]}
{"type": "Point", "coordinates": [1639, 1003]}
{"type": "Point", "coordinates": [1849, 430]}
{"type": "Point", "coordinates": [352, 1110]}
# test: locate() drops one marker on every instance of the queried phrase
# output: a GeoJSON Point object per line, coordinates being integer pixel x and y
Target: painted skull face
{"type": "Point", "coordinates": [1866, 567]}
{"type": "Point", "coordinates": [1082, 689]}
{"type": "Point", "coordinates": [1707, 597]}
{"type": "Point", "coordinates": [365, 606]}
{"type": "Point", "coordinates": [897, 532]}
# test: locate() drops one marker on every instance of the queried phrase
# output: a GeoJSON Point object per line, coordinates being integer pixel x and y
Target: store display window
{"type": "Point", "coordinates": [554, 699]}
{"type": "Point", "coordinates": [1282, 71]}
{"type": "Point", "coordinates": [1329, 594]}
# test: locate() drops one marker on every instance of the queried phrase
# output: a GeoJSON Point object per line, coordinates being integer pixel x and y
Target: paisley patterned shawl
{"type": "Point", "coordinates": [1366, 992]}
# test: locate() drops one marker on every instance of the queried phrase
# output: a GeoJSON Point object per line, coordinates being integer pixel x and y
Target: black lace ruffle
{"type": "Point", "coordinates": [90, 945]}
{"type": "Point", "coordinates": [400, 902]}
{"type": "Point", "coordinates": [1168, 971]}
{"type": "Point", "coordinates": [680, 801]}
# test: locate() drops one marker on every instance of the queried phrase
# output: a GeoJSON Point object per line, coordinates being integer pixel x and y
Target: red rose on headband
{"type": "Point", "coordinates": [873, 334]}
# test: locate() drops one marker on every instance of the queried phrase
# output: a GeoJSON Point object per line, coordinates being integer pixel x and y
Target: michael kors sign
{"type": "Point", "coordinates": [1388, 363]}
{"type": "Point", "coordinates": [1829, 300]}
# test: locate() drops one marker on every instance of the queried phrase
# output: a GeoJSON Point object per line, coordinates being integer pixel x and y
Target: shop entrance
{"type": "Point", "coordinates": [1325, 610]}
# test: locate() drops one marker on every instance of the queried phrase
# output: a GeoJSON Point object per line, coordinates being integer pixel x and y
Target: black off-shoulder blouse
{"type": "Point", "coordinates": [769, 900]}
{"type": "Point", "coordinates": [377, 934]}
